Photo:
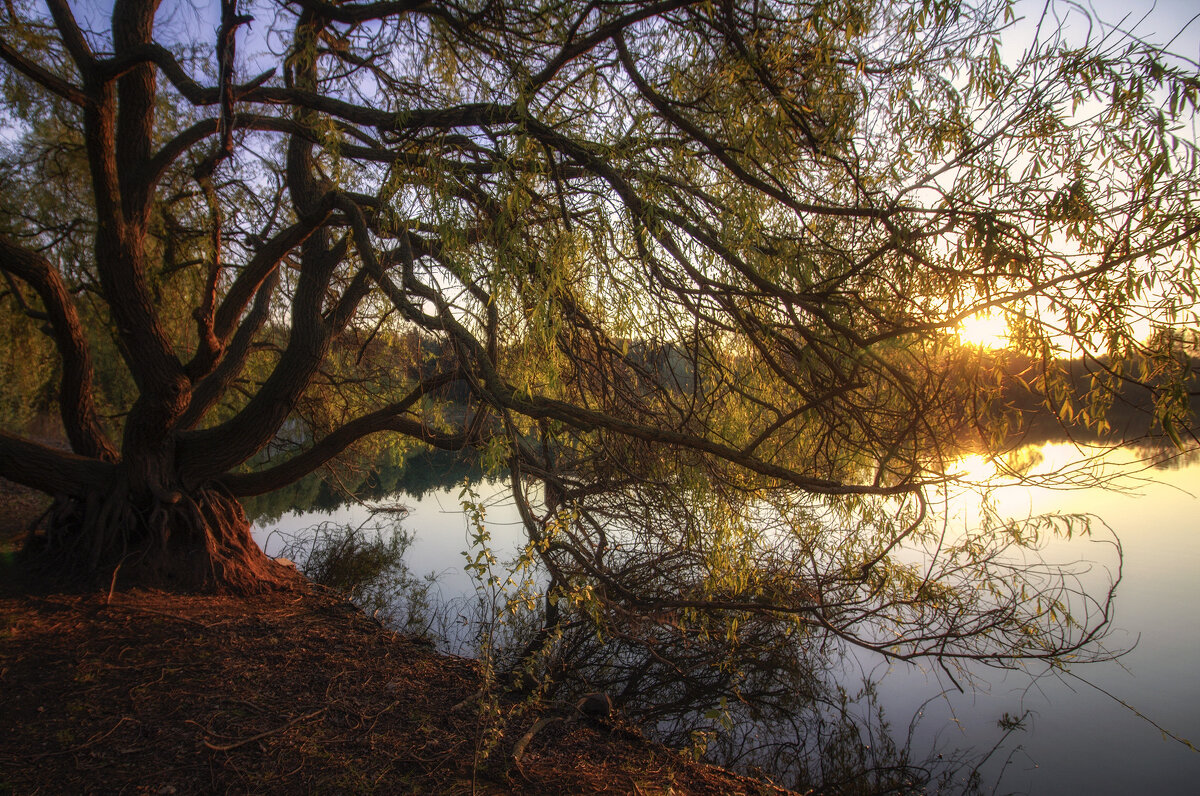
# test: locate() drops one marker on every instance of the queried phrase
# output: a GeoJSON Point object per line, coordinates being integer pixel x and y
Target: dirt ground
{"type": "Point", "coordinates": [148, 692]}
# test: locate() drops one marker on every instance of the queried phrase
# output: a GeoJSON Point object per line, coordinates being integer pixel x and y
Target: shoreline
{"type": "Point", "coordinates": [156, 692]}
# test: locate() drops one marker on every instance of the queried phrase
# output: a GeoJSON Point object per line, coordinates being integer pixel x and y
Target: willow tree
{"type": "Point", "coordinates": [690, 270]}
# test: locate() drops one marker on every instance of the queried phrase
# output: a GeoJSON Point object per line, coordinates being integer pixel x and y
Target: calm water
{"type": "Point", "coordinates": [1081, 740]}
{"type": "Point", "coordinates": [1077, 739]}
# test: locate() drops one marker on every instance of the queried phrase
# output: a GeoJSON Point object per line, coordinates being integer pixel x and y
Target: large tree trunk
{"type": "Point", "coordinates": [195, 539]}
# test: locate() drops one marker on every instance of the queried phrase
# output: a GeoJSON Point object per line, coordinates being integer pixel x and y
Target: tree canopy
{"type": "Point", "coordinates": [690, 271]}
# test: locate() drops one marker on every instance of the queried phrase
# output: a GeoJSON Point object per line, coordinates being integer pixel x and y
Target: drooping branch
{"type": "Point", "coordinates": [610, 29]}
{"type": "Point", "coordinates": [491, 386]}
{"type": "Point", "coordinates": [586, 419]}
{"type": "Point", "coordinates": [716, 149]}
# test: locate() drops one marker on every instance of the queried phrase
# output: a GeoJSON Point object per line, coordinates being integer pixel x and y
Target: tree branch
{"type": "Point", "coordinates": [173, 149]}
{"type": "Point", "coordinates": [386, 419]}
{"type": "Point", "coordinates": [214, 386]}
{"type": "Point", "coordinates": [77, 389]}
{"type": "Point", "coordinates": [264, 261]}
{"type": "Point", "coordinates": [43, 77]}
{"type": "Point", "coordinates": [72, 36]}
{"type": "Point", "coordinates": [54, 472]}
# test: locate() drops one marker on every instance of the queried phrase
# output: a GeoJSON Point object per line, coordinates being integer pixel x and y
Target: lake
{"type": "Point", "coordinates": [1075, 737]}
{"type": "Point", "coordinates": [1081, 740]}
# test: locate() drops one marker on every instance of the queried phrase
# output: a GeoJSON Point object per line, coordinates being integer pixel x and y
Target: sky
{"type": "Point", "coordinates": [1153, 21]}
{"type": "Point", "coordinates": [1171, 20]}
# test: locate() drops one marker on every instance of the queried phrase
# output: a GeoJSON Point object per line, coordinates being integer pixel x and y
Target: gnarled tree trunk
{"type": "Point", "coordinates": [124, 529]}
{"type": "Point", "coordinates": [194, 541]}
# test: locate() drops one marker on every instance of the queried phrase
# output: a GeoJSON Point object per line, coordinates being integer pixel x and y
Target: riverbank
{"type": "Point", "coordinates": [160, 693]}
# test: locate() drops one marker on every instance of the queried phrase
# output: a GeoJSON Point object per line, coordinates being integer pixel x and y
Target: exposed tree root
{"type": "Point", "coordinates": [192, 542]}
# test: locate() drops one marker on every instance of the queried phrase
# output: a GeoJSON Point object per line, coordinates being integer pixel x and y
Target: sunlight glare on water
{"type": "Point", "coordinates": [1077, 738]}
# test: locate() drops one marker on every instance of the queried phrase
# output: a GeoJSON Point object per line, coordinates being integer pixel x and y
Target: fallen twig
{"type": "Point", "coordinates": [140, 609]}
{"type": "Point", "coordinates": [225, 747]}
{"type": "Point", "coordinates": [94, 739]}
{"type": "Point", "coordinates": [519, 749]}
{"type": "Point", "coordinates": [475, 697]}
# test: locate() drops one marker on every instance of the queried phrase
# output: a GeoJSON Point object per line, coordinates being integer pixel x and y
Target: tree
{"type": "Point", "coordinates": [689, 270]}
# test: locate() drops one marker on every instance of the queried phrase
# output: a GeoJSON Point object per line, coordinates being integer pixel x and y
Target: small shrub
{"type": "Point", "coordinates": [366, 564]}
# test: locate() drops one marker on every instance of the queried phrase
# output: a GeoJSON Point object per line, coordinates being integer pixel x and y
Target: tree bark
{"type": "Point", "coordinates": [76, 399]}
{"type": "Point", "coordinates": [55, 472]}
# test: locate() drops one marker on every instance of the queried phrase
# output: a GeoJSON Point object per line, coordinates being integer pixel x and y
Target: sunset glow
{"type": "Point", "coordinates": [985, 331]}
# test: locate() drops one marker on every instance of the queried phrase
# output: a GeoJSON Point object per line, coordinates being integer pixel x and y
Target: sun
{"type": "Point", "coordinates": [984, 331]}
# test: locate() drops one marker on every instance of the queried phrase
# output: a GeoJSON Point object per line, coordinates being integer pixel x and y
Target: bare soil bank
{"type": "Point", "coordinates": [289, 692]}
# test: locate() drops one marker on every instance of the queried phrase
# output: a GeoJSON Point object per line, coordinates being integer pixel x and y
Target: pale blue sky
{"type": "Point", "coordinates": [1162, 19]}
{"type": "Point", "coordinates": [1166, 20]}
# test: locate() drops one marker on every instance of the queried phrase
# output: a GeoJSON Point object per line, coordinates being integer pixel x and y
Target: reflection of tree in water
{"type": "Point", "coordinates": [1091, 402]}
{"type": "Point", "coordinates": [1170, 458]}
{"type": "Point", "coordinates": [427, 470]}
{"type": "Point", "coordinates": [726, 635]}
{"type": "Point", "coordinates": [1130, 429]}
{"type": "Point", "coordinates": [421, 472]}
{"type": "Point", "coordinates": [769, 700]}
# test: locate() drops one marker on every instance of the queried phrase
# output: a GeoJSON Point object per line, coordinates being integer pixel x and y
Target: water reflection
{"type": "Point", "coordinates": [1081, 739]}
{"type": "Point", "coordinates": [420, 474]}
{"type": "Point", "coordinates": [796, 704]}
{"type": "Point", "coordinates": [764, 701]}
